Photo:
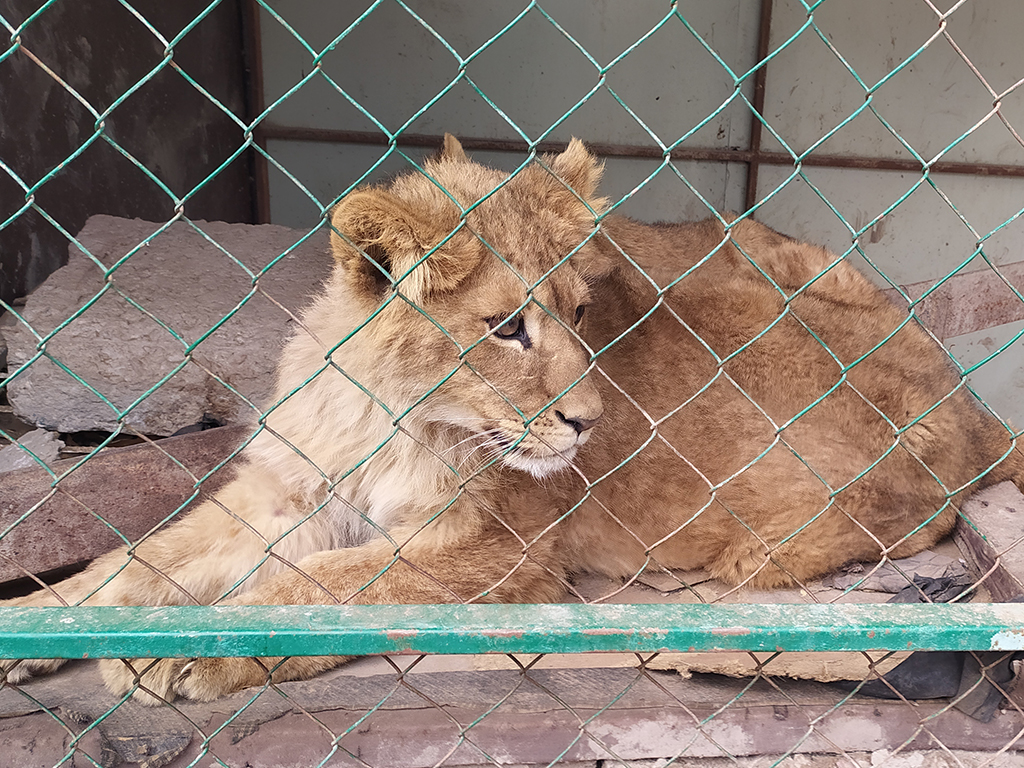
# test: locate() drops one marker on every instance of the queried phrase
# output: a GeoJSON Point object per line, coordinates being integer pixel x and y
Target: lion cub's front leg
{"type": "Point", "coordinates": [434, 567]}
{"type": "Point", "coordinates": [160, 680]}
{"type": "Point", "coordinates": [216, 547]}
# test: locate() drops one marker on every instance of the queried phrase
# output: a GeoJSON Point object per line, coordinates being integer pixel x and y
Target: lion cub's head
{"type": "Point", "coordinates": [476, 287]}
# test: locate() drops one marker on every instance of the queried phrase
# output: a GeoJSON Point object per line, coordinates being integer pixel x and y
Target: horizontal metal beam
{"type": "Point", "coordinates": [269, 131]}
{"type": "Point", "coordinates": [192, 631]}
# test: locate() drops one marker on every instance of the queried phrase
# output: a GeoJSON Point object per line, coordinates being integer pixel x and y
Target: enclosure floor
{"type": "Point", "coordinates": [417, 719]}
{"type": "Point", "coordinates": [419, 706]}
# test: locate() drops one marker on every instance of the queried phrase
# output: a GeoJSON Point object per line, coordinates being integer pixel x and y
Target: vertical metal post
{"type": "Point", "coordinates": [254, 106]}
{"type": "Point", "coordinates": [760, 78]}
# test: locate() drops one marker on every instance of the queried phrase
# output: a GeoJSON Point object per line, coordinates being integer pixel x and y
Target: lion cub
{"type": "Point", "coordinates": [493, 393]}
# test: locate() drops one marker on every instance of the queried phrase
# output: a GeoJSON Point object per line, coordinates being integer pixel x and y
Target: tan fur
{"type": "Point", "coordinates": [700, 427]}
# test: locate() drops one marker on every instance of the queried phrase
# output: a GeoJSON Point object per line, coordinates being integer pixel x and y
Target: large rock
{"type": "Point", "coordinates": [179, 279]}
{"type": "Point", "coordinates": [43, 444]}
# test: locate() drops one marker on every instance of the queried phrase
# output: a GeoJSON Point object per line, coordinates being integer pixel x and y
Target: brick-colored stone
{"type": "Point", "coordinates": [131, 488]}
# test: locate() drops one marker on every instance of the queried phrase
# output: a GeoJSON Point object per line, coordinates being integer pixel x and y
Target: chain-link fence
{"type": "Point", "coordinates": [504, 424]}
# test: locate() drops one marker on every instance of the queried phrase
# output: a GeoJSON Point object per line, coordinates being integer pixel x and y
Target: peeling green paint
{"type": "Point", "coordinates": [187, 631]}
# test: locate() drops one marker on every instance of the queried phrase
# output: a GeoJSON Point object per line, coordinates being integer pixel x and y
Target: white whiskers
{"type": "Point", "coordinates": [492, 445]}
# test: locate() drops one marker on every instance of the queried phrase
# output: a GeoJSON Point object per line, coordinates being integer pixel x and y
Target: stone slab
{"type": "Point", "coordinates": [184, 279]}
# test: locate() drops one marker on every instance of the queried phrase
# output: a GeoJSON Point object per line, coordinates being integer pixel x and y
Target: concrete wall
{"type": "Point", "coordinates": [392, 67]}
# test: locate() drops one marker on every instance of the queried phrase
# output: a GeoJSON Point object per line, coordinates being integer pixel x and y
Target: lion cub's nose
{"type": "Point", "coordinates": [578, 423]}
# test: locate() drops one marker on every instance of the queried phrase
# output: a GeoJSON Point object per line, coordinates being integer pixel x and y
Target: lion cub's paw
{"type": "Point", "coordinates": [751, 568]}
{"type": "Point", "coordinates": [208, 679]}
{"type": "Point", "coordinates": [18, 671]}
{"type": "Point", "coordinates": [161, 680]}
{"type": "Point", "coordinates": [155, 678]}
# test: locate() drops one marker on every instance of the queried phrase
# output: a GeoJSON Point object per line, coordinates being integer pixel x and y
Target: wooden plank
{"type": "Point", "coordinates": [992, 541]}
{"type": "Point", "coordinates": [623, 714]}
{"type": "Point", "coordinates": [970, 301]}
{"type": "Point", "coordinates": [132, 488]}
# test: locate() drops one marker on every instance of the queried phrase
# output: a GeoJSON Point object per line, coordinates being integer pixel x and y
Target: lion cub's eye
{"type": "Point", "coordinates": [510, 329]}
{"type": "Point", "coordinates": [579, 314]}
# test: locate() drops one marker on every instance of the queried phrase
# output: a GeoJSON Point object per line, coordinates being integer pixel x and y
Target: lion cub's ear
{"type": "Point", "coordinates": [581, 171]}
{"type": "Point", "coordinates": [453, 150]}
{"type": "Point", "coordinates": [394, 236]}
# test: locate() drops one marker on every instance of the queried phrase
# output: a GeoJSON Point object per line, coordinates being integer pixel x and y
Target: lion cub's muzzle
{"type": "Point", "coordinates": [551, 440]}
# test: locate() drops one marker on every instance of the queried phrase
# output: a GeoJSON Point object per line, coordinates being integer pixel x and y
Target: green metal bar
{"type": "Point", "coordinates": [188, 631]}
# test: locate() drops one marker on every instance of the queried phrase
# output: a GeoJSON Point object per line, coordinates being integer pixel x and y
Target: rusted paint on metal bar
{"type": "Point", "coordinates": [189, 631]}
{"type": "Point", "coordinates": [730, 631]}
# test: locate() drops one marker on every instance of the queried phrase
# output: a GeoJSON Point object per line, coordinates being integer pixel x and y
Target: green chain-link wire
{"type": "Point", "coordinates": [319, 630]}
